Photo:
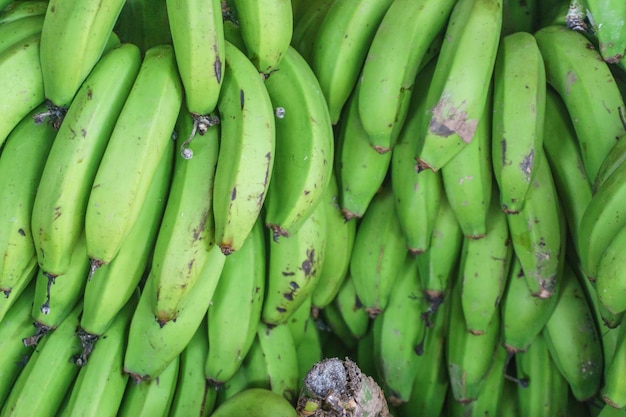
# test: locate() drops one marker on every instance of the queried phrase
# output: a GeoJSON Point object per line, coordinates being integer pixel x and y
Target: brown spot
{"type": "Point", "coordinates": [83, 132]}
{"type": "Point", "coordinates": [57, 213]}
{"type": "Point", "coordinates": [288, 273]}
{"type": "Point", "coordinates": [21, 232]}
{"type": "Point", "coordinates": [241, 98]}
{"type": "Point", "coordinates": [197, 232]}
{"type": "Point", "coordinates": [268, 157]}
{"type": "Point", "coordinates": [449, 119]}
{"type": "Point", "coordinates": [503, 150]}
{"type": "Point", "coordinates": [217, 67]}
{"type": "Point", "coordinates": [281, 309]}
{"type": "Point", "coordinates": [233, 194]}
{"type": "Point", "coordinates": [570, 79]}
{"type": "Point", "coordinates": [307, 265]}
{"type": "Point", "coordinates": [89, 94]}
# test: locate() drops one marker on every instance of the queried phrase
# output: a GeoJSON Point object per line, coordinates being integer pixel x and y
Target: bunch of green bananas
{"type": "Point", "coordinates": [202, 199]}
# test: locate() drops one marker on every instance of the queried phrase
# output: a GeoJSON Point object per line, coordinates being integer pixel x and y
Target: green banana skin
{"type": "Point", "coordinates": [612, 161]}
{"type": "Point", "coordinates": [518, 118]}
{"type": "Point", "coordinates": [567, 53]}
{"type": "Point", "coordinates": [20, 77]}
{"type": "Point", "coordinates": [281, 358]}
{"type": "Point", "coordinates": [236, 384]}
{"type": "Point", "coordinates": [100, 384]}
{"type": "Point", "coordinates": [378, 253]}
{"type": "Point", "coordinates": [360, 169]}
{"type": "Point", "coordinates": [457, 94]}
{"type": "Point", "coordinates": [609, 278]}
{"type": "Point", "coordinates": [80, 143]}
{"type": "Point", "coordinates": [7, 301]}
{"type": "Point", "coordinates": [303, 167]}
{"type": "Point", "coordinates": [299, 321]}
{"type": "Point", "coordinates": [612, 390]}
{"type": "Point", "coordinates": [334, 322]}
{"type": "Point", "coordinates": [351, 310]}
{"type": "Point", "coordinates": [293, 268]}
{"type": "Point", "coordinates": [118, 194]}
{"type": "Point", "coordinates": [309, 351]}
{"type": "Point", "coordinates": [258, 402]}
{"type": "Point", "coordinates": [306, 25]}
{"type": "Point", "coordinates": [49, 373]}
{"type": "Point", "coordinates": [546, 391]}
{"type": "Point", "coordinates": [73, 32]}
{"type": "Point", "coordinates": [13, 32]}
{"type": "Point", "coordinates": [144, 23]}
{"type": "Point", "coordinates": [607, 21]}
{"type": "Point", "coordinates": [151, 398]}
{"type": "Point", "coordinates": [112, 285]}
{"type": "Point", "coordinates": [341, 46]}
{"type": "Point", "coordinates": [17, 10]}
{"type": "Point", "coordinates": [573, 339]}
{"type": "Point", "coordinates": [246, 159]}
{"type": "Point", "coordinates": [484, 268]}
{"type": "Point", "coordinates": [20, 179]}
{"type": "Point", "coordinates": [237, 304]}
{"type": "Point", "coordinates": [519, 16]}
{"type": "Point", "coordinates": [15, 326]}
{"type": "Point", "coordinates": [151, 348]}
{"type": "Point", "coordinates": [398, 50]}
{"type": "Point", "coordinates": [340, 236]}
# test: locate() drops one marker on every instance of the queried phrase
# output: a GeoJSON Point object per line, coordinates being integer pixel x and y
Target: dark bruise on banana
{"type": "Point", "coordinates": [308, 268]}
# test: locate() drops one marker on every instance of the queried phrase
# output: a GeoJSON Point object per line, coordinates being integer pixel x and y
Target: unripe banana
{"type": "Point", "coordinates": [299, 320]}
{"type": "Point", "coordinates": [16, 31]}
{"type": "Point", "coordinates": [258, 402]}
{"type": "Point", "coordinates": [520, 16]}
{"type": "Point", "coordinates": [351, 310]}
{"type": "Point", "coordinates": [144, 23]}
{"type": "Point", "coordinates": [309, 350]}
{"type": "Point", "coordinates": [610, 278]}
{"type": "Point", "coordinates": [607, 22]}
{"type": "Point", "coordinates": [246, 158]}
{"type": "Point", "coordinates": [611, 162]}
{"type": "Point", "coordinates": [17, 10]}
{"type": "Point", "coordinates": [307, 21]}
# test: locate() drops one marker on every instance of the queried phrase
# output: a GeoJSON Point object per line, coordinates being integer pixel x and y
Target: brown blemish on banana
{"type": "Point", "coordinates": [21, 232]}
{"type": "Point", "coordinates": [233, 194]}
{"type": "Point", "coordinates": [309, 263]}
{"type": "Point", "coordinates": [241, 98]}
{"type": "Point", "coordinates": [570, 79]}
{"type": "Point", "coordinates": [268, 157]}
{"type": "Point", "coordinates": [527, 165]}
{"type": "Point", "coordinates": [448, 119]}
{"type": "Point", "coordinates": [217, 66]}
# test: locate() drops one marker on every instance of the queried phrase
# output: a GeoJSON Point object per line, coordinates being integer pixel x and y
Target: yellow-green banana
{"type": "Point", "coordinates": [73, 38]}
{"type": "Point", "coordinates": [303, 160]}
{"type": "Point", "coordinates": [577, 72]}
{"type": "Point", "coordinates": [237, 304]}
{"type": "Point", "coordinates": [246, 157]}
{"type": "Point", "coordinates": [341, 45]}
{"type": "Point", "coordinates": [456, 96]}
{"type": "Point", "coordinates": [394, 57]}
{"type": "Point", "coordinates": [59, 210]}
{"type": "Point", "coordinates": [518, 117]}
{"type": "Point", "coordinates": [17, 10]}
{"type": "Point", "coordinates": [266, 29]}
{"type": "Point", "coordinates": [139, 139]}
{"type": "Point", "coordinates": [259, 402]}
{"type": "Point", "coordinates": [13, 32]}
{"type": "Point", "coordinates": [293, 268]}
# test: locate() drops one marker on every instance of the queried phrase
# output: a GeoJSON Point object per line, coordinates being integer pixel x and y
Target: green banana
{"type": "Point", "coordinates": [360, 169]}
{"type": "Point", "coordinates": [21, 83]}
{"type": "Point", "coordinates": [58, 217]}
{"type": "Point", "coordinates": [609, 278]}
{"type": "Point", "coordinates": [577, 72]}
{"type": "Point", "coordinates": [144, 23]}
{"type": "Point", "coordinates": [333, 322]}
{"type": "Point", "coordinates": [128, 165]}
{"type": "Point", "coordinates": [573, 339]}
{"type": "Point", "coordinates": [16, 31]}
{"type": "Point", "coordinates": [236, 384]}
{"type": "Point", "coordinates": [198, 37]}
{"type": "Point", "coordinates": [73, 39]}
{"type": "Point", "coordinates": [237, 304]}
{"type": "Point", "coordinates": [545, 392]}
{"type": "Point", "coordinates": [193, 395]}
{"type": "Point", "coordinates": [520, 16]}
{"type": "Point", "coordinates": [255, 401]}
{"type": "Point", "coordinates": [100, 384]}
{"type": "Point", "coordinates": [266, 29]}
{"type": "Point", "coordinates": [112, 285]}
{"type": "Point", "coordinates": [17, 10]}
{"type": "Point", "coordinates": [15, 326]}
{"type": "Point", "coordinates": [351, 310]}
{"type": "Point", "coordinates": [417, 194]}
{"type": "Point", "coordinates": [484, 268]}
{"type": "Point", "coordinates": [21, 164]}
{"type": "Point", "coordinates": [293, 267]}
{"type": "Point", "coordinates": [309, 350]}
{"type": "Point", "coordinates": [151, 398]}
{"type": "Point", "coordinates": [303, 166]}
{"type": "Point", "coordinates": [378, 253]}
{"type": "Point", "coordinates": [611, 162]}
{"type": "Point", "coordinates": [341, 44]}
{"type": "Point", "coordinates": [246, 157]}
{"type": "Point", "coordinates": [340, 236]}
{"type": "Point", "coordinates": [612, 389]}
{"type": "Point", "coordinates": [398, 50]}
{"type": "Point", "coordinates": [306, 24]}
{"type": "Point", "coordinates": [49, 373]}
{"type": "Point", "coordinates": [607, 22]}
{"type": "Point", "coordinates": [299, 320]}
{"type": "Point", "coordinates": [152, 347]}
{"type": "Point", "coordinates": [457, 94]}
{"type": "Point", "coordinates": [7, 301]}
{"type": "Point", "coordinates": [537, 231]}
{"type": "Point", "coordinates": [518, 117]}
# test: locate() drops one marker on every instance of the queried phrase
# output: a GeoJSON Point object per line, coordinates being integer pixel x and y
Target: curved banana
{"type": "Point", "coordinates": [112, 285]}
{"type": "Point", "coordinates": [246, 157]}
{"type": "Point", "coordinates": [237, 304]}
{"type": "Point", "coordinates": [340, 236]}
{"type": "Point", "coordinates": [293, 268]}
{"type": "Point", "coordinates": [306, 24]}
{"type": "Point", "coordinates": [457, 94]}
{"type": "Point", "coordinates": [309, 350]}
{"type": "Point", "coordinates": [351, 310]}
{"type": "Point", "coordinates": [21, 164]}
{"type": "Point", "coordinates": [17, 10]}
{"type": "Point", "coordinates": [151, 398]}
{"type": "Point", "coordinates": [341, 44]}
{"type": "Point", "coordinates": [198, 37]}
{"type": "Point", "coordinates": [610, 279]}
{"type": "Point", "coordinates": [21, 83]}
{"type": "Point", "coordinates": [303, 160]}
{"type": "Point", "coordinates": [607, 22]}
{"type": "Point", "coordinates": [518, 117]}
{"type": "Point", "coordinates": [612, 390]}
{"type": "Point", "coordinates": [152, 347]}
{"type": "Point", "coordinates": [58, 217]}
{"type": "Point", "coordinates": [378, 254]}
{"type": "Point", "coordinates": [577, 72]}
{"type": "Point", "coordinates": [138, 141]}
{"type": "Point", "coordinates": [100, 384]}
{"type": "Point", "coordinates": [38, 391]}
{"type": "Point", "coordinates": [299, 320]}
{"type": "Point", "coordinates": [259, 402]}
{"type": "Point", "coordinates": [360, 169]}
{"type": "Point", "coordinates": [73, 39]}
{"type": "Point", "coordinates": [266, 29]}
{"type": "Point", "coordinates": [6, 302]}
{"type": "Point", "coordinates": [611, 162]}
{"type": "Point", "coordinates": [16, 31]}
{"type": "Point", "coordinates": [393, 59]}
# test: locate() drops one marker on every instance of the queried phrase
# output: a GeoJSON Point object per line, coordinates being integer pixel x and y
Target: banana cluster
{"type": "Point", "coordinates": [203, 199]}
